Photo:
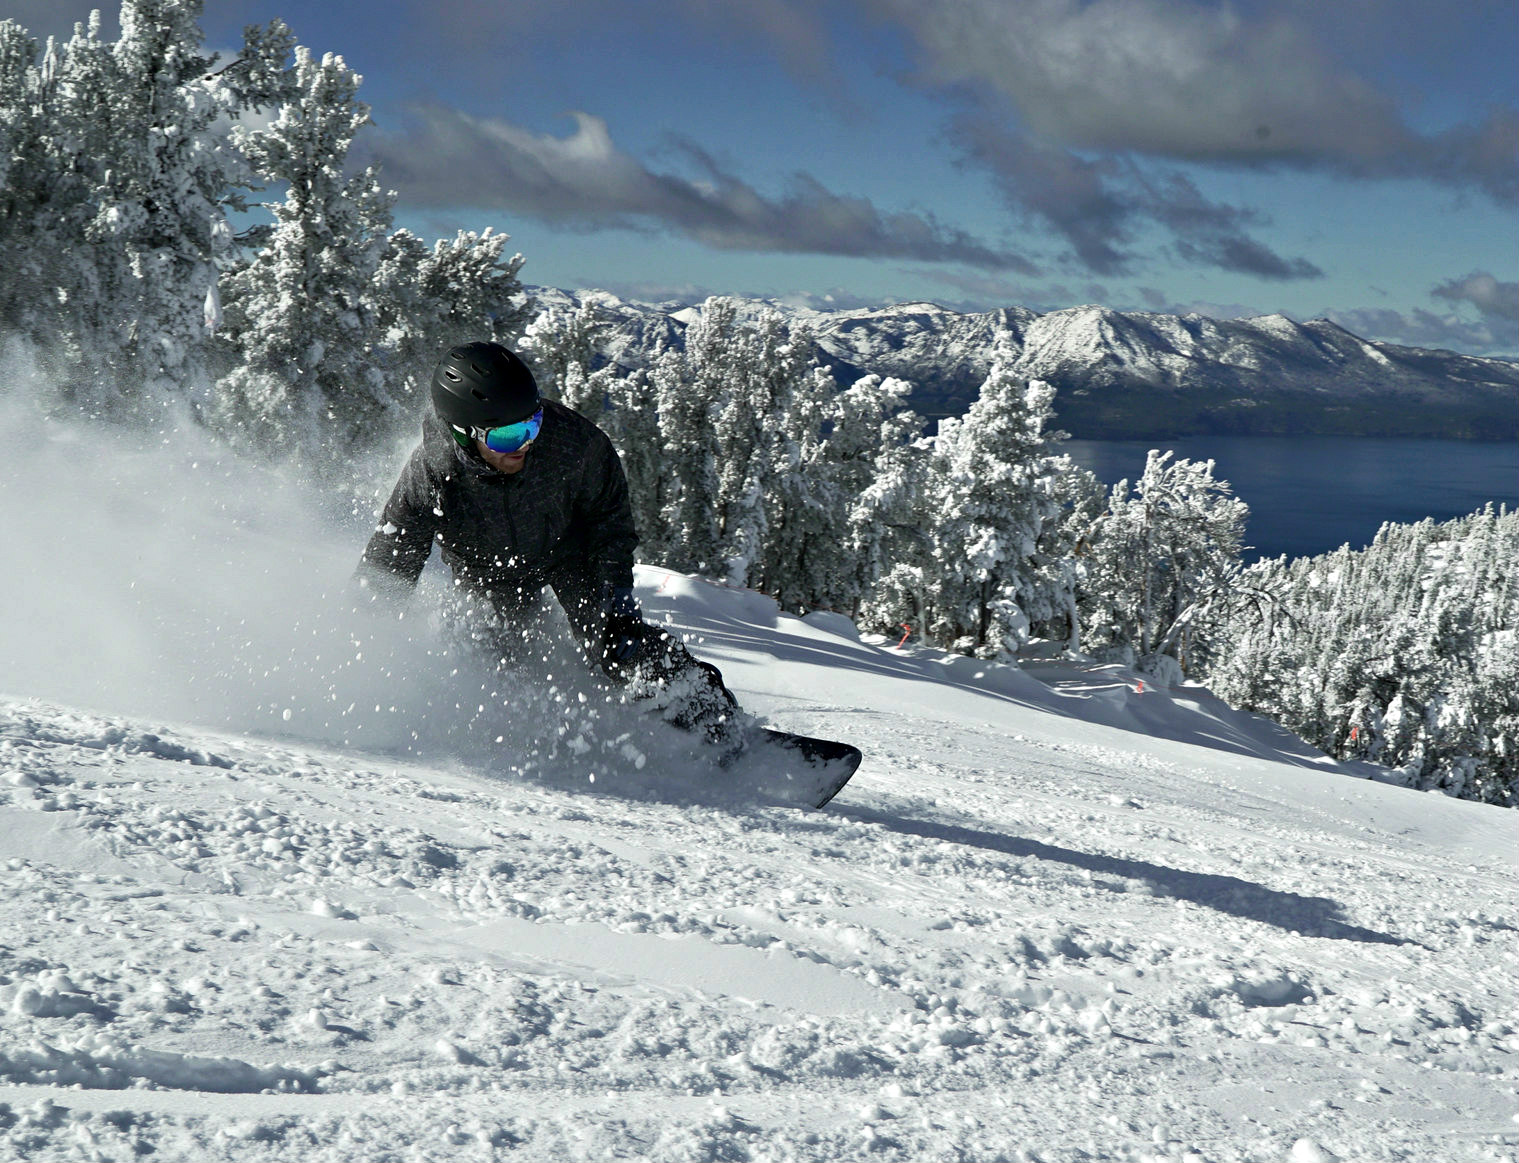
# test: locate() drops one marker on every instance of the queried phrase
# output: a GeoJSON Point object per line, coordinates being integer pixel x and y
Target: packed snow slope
{"type": "Point", "coordinates": [283, 881]}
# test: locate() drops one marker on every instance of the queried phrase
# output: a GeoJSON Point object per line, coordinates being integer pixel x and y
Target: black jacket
{"type": "Point", "coordinates": [565, 514]}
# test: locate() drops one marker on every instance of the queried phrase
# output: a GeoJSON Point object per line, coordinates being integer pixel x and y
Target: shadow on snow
{"type": "Point", "coordinates": [1290, 911]}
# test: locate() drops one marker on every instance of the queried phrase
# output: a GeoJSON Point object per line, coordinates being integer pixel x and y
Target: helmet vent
{"type": "Point", "coordinates": [479, 395]}
{"type": "Point", "coordinates": [452, 375]}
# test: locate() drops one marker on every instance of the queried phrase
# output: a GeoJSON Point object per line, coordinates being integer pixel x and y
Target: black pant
{"type": "Point", "coordinates": [691, 692]}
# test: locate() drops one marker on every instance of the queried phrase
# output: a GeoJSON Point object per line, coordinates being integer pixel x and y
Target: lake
{"type": "Point", "coordinates": [1311, 494]}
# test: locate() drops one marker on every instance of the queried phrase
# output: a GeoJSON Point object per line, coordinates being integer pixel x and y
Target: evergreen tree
{"type": "Point", "coordinates": [893, 526]}
{"type": "Point", "coordinates": [116, 196]}
{"type": "Point", "coordinates": [689, 387]}
{"type": "Point", "coordinates": [1056, 567]}
{"type": "Point", "coordinates": [805, 513]}
{"type": "Point", "coordinates": [158, 186]}
{"type": "Point", "coordinates": [301, 312]}
{"type": "Point", "coordinates": [741, 461]}
{"type": "Point", "coordinates": [632, 422]}
{"type": "Point", "coordinates": [425, 301]}
{"type": "Point", "coordinates": [560, 347]}
{"type": "Point", "coordinates": [119, 173]}
{"type": "Point", "coordinates": [869, 430]}
{"type": "Point", "coordinates": [18, 89]}
{"type": "Point", "coordinates": [24, 182]}
{"type": "Point", "coordinates": [750, 398]}
{"type": "Point", "coordinates": [1164, 568]}
{"type": "Point", "coordinates": [966, 520]}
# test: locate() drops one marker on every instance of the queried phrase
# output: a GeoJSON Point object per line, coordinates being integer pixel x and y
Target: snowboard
{"type": "Point", "coordinates": [797, 770]}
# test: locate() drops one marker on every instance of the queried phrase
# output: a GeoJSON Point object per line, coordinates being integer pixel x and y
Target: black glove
{"type": "Point", "coordinates": [625, 631]}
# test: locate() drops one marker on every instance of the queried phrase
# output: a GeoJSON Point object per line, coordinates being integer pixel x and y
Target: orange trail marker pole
{"type": "Point", "coordinates": [906, 636]}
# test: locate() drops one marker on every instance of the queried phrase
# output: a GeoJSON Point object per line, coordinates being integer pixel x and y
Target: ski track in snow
{"type": "Point", "coordinates": [1022, 932]}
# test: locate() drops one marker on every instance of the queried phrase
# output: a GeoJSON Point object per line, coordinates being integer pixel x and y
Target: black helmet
{"type": "Point", "coordinates": [481, 384]}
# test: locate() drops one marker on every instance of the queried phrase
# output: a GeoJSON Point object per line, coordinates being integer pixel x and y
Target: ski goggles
{"type": "Point", "coordinates": [508, 438]}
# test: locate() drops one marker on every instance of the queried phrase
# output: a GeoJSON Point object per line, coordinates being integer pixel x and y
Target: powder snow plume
{"type": "Point", "coordinates": [163, 575]}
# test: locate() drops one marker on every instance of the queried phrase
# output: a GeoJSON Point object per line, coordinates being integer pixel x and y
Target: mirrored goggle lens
{"type": "Point", "coordinates": [511, 437]}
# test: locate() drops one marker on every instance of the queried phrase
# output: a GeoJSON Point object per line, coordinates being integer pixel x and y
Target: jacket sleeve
{"type": "Point", "coordinates": [607, 514]}
{"type": "Point", "coordinates": [399, 547]}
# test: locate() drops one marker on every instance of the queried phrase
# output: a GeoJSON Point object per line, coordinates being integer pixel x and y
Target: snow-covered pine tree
{"type": "Point", "coordinates": [806, 515]}
{"type": "Point", "coordinates": [425, 301]}
{"type": "Point", "coordinates": [560, 347]}
{"type": "Point", "coordinates": [18, 93]}
{"type": "Point", "coordinates": [1164, 566]}
{"type": "Point", "coordinates": [80, 331]}
{"type": "Point", "coordinates": [747, 368]}
{"type": "Point", "coordinates": [1262, 675]}
{"type": "Point", "coordinates": [689, 386]}
{"type": "Point", "coordinates": [743, 459]}
{"type": "Point", "coordinates": [115, 199]}
{"type": "Point", "coordinates": [747, 489]}
{"type": "Point", "coordinates": [869, 430]}
{"type": "Point", "coordinates": [301, 312]}
{"type": "Point", "coordinates": [992, 491]}
{"type": "Point", "coordinates": [25, 180]}
{"type": "Point", "coordinates": [1056, 567]}
{"type": "Point", "coordinates": [139, 118]}
{"type": "Point", "coordinates": [632, 422]}
{"type": "Point", "coordinates": [771, 480]}
{"type": "Point", "coordinates": [893, 523]}
{"type": "Point", "coordinates": [119, 172]}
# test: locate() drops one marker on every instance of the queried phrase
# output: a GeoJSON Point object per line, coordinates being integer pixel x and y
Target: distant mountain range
{"type": "Point", "coordinates": [1133, 375]}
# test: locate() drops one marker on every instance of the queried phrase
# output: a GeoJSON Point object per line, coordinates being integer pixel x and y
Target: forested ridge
{"type": "Point", "coordinates": [1404, 653]}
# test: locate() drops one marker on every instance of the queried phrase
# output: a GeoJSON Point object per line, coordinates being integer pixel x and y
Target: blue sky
{"type": "Point", "coordinates": [1358, 160]}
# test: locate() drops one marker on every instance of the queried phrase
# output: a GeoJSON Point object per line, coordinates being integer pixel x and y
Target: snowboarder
{"type": "Point", "coordinates": [520, 493]}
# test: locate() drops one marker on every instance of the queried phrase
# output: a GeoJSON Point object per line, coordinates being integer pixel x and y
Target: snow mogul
{"type": "Point", "coordinates": [522, 493]}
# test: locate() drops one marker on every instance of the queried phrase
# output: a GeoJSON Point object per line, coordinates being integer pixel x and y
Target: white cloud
{"type": "Point", "coordinates": [1497, 302]}
{"type": "Point", "coordinates": [1100, 204]}
{"type": "Point", "coordinates": [1191, 82]}
{"type": "Point", "coordinates": [1421, 328]}
{"type": "Point", "coordinates": [584, 181]}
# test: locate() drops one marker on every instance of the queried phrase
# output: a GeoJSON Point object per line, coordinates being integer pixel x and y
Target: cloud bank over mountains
{"type": "Point", "coordinates": [1103, 128]}
{"type": "Point", "coordinates": [584, 181]}
{"type": "Point", "coordinates": [1079, 112]}
{"type": "Point", "coordinates": [1496, 328]}
{"type": "Point", "coordinates": [1193, 83]}
{"type": "Point", "coordinates": [1082, 112]}
{"type": "Point", "coordinates": [1358, 161]}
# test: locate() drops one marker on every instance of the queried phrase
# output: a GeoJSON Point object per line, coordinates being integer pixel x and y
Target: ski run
{"type": "Point", "coordinates": [282, 881]}
{"type": "Point", "coordinates": [1053, 917]}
